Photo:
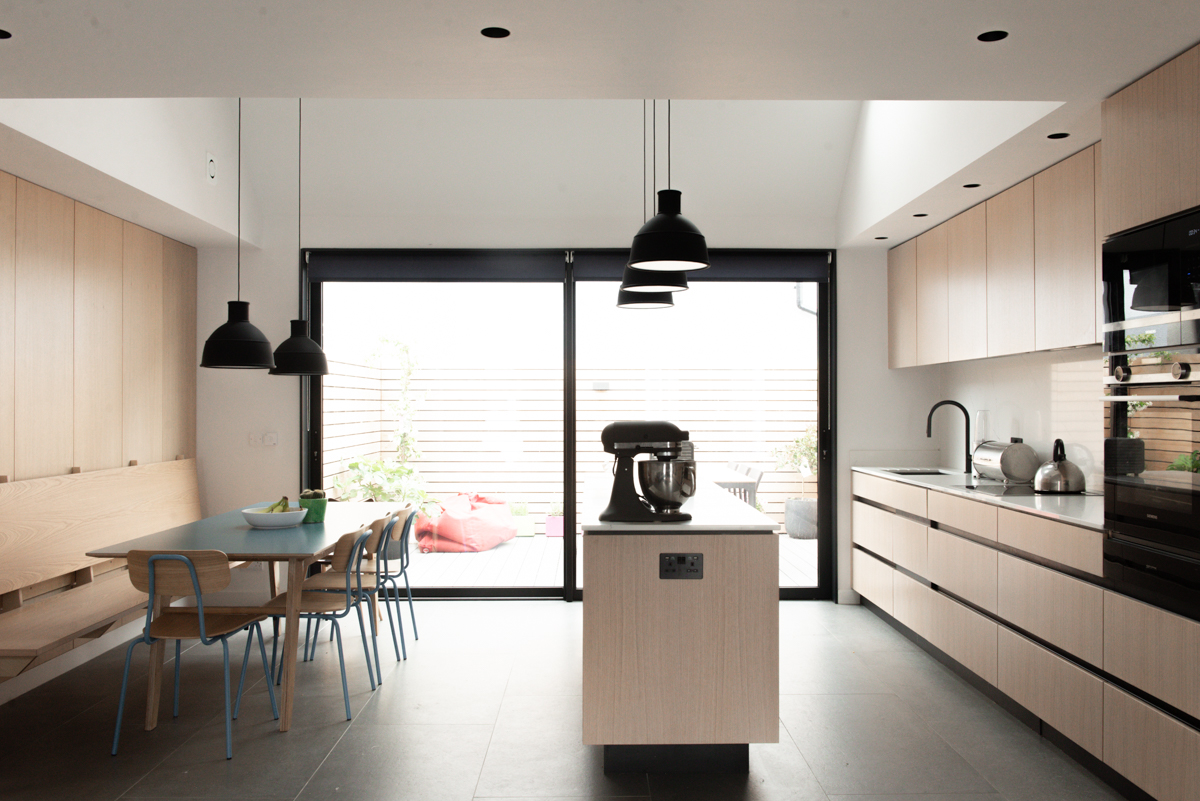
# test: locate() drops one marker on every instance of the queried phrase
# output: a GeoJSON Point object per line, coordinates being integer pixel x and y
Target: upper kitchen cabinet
{"type": "Point", "coordinates": [932, 307]}
{"type": "Point", "coordinates": [1064, 232]}
{"type": "Point", "coordinates": [1151, 134]}
{"type": "Point", "coordinates": [902, 305]}
{"type": "Point", "coordinates": [1010, 271]}
{"type": "Point", "coordinates": [8, 317]}
{"type": "Point", "coordinates": [966, 289]}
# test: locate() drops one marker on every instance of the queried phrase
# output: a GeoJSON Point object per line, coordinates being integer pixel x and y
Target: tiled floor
{"type": "Point", "coordinates": [487, 706]}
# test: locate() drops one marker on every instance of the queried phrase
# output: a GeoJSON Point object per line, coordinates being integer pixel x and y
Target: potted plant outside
{"type": "Point", "coordinates": [520, 515]}
{"type": "Point", "coordinates": [801, 455]}
{"type": "Point", "coordinates": [554, 520]}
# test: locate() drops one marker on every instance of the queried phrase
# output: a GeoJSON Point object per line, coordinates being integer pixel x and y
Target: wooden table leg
{"type": "Point", "coordinates": [291, 641]}
{"type": "Point", "coordinates": [154, 677]}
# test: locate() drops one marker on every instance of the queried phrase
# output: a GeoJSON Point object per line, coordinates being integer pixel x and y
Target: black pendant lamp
{"type": "Point", "coordinates": [635, 280]}
{"type": "Point", "coordinates": [238, 344]}
{"type": "Point", "coordinates": [299, 354]}
{"type": "Point", "coordinates": [669, 241]}
{"type": "Point", "coordinates": [644, 300]}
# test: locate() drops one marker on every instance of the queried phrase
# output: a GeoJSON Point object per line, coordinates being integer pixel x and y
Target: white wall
{"type": "Point", "coordinates": [881, 412]}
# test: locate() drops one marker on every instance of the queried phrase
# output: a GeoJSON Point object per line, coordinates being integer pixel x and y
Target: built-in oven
{"type": "Point", "coordinates": [1152, 413]}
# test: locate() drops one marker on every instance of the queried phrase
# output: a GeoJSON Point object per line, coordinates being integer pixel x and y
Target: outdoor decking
{"type": "Point", "coordinates": [538, 562]}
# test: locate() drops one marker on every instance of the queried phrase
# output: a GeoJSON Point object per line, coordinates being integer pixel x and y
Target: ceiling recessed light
{"type": "Point", "coordinates": [495, 33]}
{"type": "Point", "coordinates": [920, 215]}
{"type": "Point", "coordinates": [970, 186]}
{"type": "Point", "coordinates": [5, 35]}
{"type": "Point", "coordinates": [992, 36]}
{"type": "Point", "coordinates": [881, 237]}
{"type": "Point", "coordinates": [1058, 136]}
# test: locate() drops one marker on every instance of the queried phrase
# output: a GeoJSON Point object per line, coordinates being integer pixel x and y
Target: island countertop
{"type": "Point", "coordinates": [713, 510]}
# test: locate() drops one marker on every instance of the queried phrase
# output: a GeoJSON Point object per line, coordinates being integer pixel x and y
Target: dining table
{"type": "Point", "coordinates": [298, 546]}
{"type": "Point", "coordinates": [739, 484]}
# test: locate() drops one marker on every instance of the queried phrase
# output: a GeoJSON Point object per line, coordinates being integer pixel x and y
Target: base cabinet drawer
{"type": "Point", "coordinates": [911, 600]}
{"type": "Point", "coordinates": [895, 494]}
{"type": "Point", "coordinates": [872, 529]}
{"type": "Point", "coordinates": [964, 634]}
{"type": "Point", "coordinates": [963, 514]}
{"type": "Point", "coordinates": [1067, 697]}
{"type": "Point", "coordinates": [965, 568]}
{"type": "Point", "coordinates": [1073, 546]}
{"type": "Point", "coordinates": [1064, 611]}
{"type": "Point", "coordinates": [1154, 650]}
{"type": "Point", "coordinates": [1151, 749]}
{"type": "Point", "coordinates": [872, 579]}
{"type": "Point", "coordinates": [910, 548]}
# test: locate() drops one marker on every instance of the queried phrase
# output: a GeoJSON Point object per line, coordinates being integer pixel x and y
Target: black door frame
{"type": "Point", "coordinates": [568, 267]}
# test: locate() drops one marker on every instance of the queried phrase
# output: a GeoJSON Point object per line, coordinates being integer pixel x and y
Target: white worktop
{"type": "Point", "coordinates": [1078, 510]}
{"type": "Point", "coordinates": [713, 510]}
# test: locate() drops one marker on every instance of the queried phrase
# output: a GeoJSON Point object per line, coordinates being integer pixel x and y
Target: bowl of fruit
{"type": "Point", "coordinates": [277, 515]}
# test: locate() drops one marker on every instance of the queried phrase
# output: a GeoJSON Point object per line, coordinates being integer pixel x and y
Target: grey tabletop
{"type": "Point", "coordinates": [229, 532]}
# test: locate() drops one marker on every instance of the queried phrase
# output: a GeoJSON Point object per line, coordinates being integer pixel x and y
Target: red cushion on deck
{"type": "Point", "coordinates": [467, 523]}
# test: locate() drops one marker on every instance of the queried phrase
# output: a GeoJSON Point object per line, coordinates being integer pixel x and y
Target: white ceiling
{"type": "Point", "coordinates": [753, 173]}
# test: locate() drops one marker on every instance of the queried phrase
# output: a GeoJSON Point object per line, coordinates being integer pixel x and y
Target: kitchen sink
{"type": "Point", "coordinates": [913, 471]}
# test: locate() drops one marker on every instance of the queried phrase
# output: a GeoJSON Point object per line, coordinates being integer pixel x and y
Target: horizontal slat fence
{"type": "Point", "coordinates": [499, 431]}
{"type": "Point", "coordinates": [1168, 428]}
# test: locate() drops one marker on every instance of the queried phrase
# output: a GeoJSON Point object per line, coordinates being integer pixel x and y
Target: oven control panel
{"type": "Point", "coordinates": [681, 565]}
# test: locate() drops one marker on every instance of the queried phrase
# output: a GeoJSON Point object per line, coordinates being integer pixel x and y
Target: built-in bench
{"type": "Point", "coordinates": [54, 598]}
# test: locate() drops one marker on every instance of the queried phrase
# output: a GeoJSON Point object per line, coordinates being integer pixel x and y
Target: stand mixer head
{"type": "Point", "coordinates": [667, 480]}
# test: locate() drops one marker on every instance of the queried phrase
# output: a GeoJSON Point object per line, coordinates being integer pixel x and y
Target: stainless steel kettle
{"type": "Point", "coordinates": [1059, 475]}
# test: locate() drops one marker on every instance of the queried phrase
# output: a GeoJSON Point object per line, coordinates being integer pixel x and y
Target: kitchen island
{"type": "Point", "coordinates": [681, 636]}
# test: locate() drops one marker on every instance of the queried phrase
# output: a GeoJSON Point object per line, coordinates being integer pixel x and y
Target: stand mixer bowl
{"type": "Point", "coordinates": [667, 484]}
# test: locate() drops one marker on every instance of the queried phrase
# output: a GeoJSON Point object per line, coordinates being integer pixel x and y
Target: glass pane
{"type": "Point", "coordinates": [450, 395]}
{"type": "Point", "coordinates": [735, 364]}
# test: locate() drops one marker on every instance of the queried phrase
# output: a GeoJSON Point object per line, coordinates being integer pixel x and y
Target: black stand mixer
{"type": "Point", "coordinates": [667, 480]}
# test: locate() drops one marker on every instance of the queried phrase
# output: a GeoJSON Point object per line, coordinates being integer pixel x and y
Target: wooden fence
{"type": "Point", "coordinates": [500, 431]}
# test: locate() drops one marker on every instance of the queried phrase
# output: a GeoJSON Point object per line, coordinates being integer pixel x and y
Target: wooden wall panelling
{"type": "Point", "coordinates": [45, 266]}
{"type": "Point", "coordinates": [649, 643]}
{"type": "Point", "coordinates": [143, 351]}
{"type": "Point", "coordinates": [99, 286]}
{"type": "Point", "coordinates": [1061, 610]}
{"type": "Point", "coordinates": [1064, 229]}
{"type": "Point", "coordinates": [8, 321]}
{"type": "Point", "coordinates": [1154, 751]}
{"type": "Point", "coordinates": [1010, 277]}
{"type": "Point", "coordinates": [1154, 650]}
{"type": "Point", "coordinates": [871, 528]}
{"type": "Point", "coordinates": [1097, 150]}
{"type": "Point", "coordinates": [902, 305]}
{"type": "Point", "coordinates": [965, 568]}
{"type": "Point", "coordinates": [932, 307]}
{"type": "Point", "coordinates": [1074, 546]}
{"type": "Point", "coordinates": [1067, 697]}
{"type": "Point", "coordinates": [964, 634]}
{"type": "Point", "coordinates": [910, 603]}
{"type": "Point", "coordinates": [963, 514]}
{"type": "Point", "coordinates": [966, 258]}
{"type": "Point", "coordinates": [872, 579]}
{"type": "Point", "coordinates": [896, 494]}
{"type": "Point", "coordinates": [179, 350]}
{"type": "Point", "coordinates": [910, 548]}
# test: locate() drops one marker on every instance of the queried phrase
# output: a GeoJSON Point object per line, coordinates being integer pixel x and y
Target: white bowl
{"type": "Point", "coordinates": [259, 517]}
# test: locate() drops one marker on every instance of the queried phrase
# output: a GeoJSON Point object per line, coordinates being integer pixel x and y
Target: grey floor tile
{"type": "Point", "coordinates": [460, 691]}
{"type": "Point", "coordinates": [537, 750]}
{"type": "Point", "coordinates": [921, 797]}
{"type": "Point", "coordinates": [860, 744]}
{"type": "Point", "coordinates": [821, 664]}
{"type": "Point", "coordinates": [439, 763]}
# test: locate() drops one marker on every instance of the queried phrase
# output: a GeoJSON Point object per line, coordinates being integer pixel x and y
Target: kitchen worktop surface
{"type": "Point", "coordinates": [713, 510]}
{"type": "Point", "coordinates": [1079, 510]}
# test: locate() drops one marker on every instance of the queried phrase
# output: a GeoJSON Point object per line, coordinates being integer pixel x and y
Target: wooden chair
{"type": "Point", "coordinates": [756, 474]}
{"type": "Point", "coordinates": [391, 569]}
{"type": "Point", "coordinates": [332, 605]}
{"type": "Point", "coordinates": [163, 575]}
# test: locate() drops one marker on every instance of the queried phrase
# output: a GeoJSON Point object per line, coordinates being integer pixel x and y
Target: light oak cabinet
{"type": "Point", "coordinates": [1154, 650]}
{"type": "Point", "coordinates": [1063, 611]}
{"type": "Point", "coordinates": [1065, 245]}
{"type": "Point", "coordinates": [872, 579]}
{"type": "Point", "coordinates": [1073, 546]}
{"type": "Point", "coordinates": [905, 497]}
{"type": "Point", "coordinates": [910, 548]}
{"type": "Point", "coordinates": [143, 371]}
{"type": "Point", "coordinates": [8, 321]}
{"type": "Point", "coordinates": [967, 636]}
{"type": "Point", "coordinates": [1154, 751]}
{"type": "Point", "coordinates": [902, 305]}
{"type": "Point", "coordinates": [1067, 697]}
{"type": "Point", "coordinates": [932, 305]}
{"type": "Point", "coordinates": [872, 529]}
{"type": "Point", "coordinates": [963, 514]}
{"type": "Point", "coordinates": [1010, 277]}
{"type": "Point", "coordinates": [911, 603]}
{"type": "Point", "coordinates": [965, 568]}
{"type": "Point", "coordinates": [966, 284]}
{"type": "Point", "coordinates": [1151, 134]}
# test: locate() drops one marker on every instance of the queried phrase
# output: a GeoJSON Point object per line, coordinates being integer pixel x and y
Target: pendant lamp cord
{"type": "Point", "coordinates": [644, 217]}
{"type": "Point", "coordinates": [239, 203]}
{"type": "Point", "coordinates": [300, 196]}
{"type": "Point", "coordinates": [668, 143]}
{"type": "Point", "coordinates": [654, 143]}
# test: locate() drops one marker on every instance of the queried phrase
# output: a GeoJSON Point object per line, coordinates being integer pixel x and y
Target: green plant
{"type": "Point", "coordinates": [382, 480]}
{"type": "Point", "coordinates": [800, 454]}
{"type": "Point", "coordinates": [518, 508]}
{"type": "Point", "coordinates": [556, 509]}
{"type": "Point", "coordinates": [1186, 462]}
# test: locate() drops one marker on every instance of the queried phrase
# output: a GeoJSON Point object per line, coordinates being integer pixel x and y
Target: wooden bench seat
{"type": "Point", "coordinates": [53, 596]}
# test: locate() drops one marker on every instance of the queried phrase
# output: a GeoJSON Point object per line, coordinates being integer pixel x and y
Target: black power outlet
{"type": "Point", "coordinates": [681, 565]}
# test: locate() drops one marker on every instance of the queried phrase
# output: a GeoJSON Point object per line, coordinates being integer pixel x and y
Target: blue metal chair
{"type": "Point", "coordinates": [191, 573]}
{"type": "Point", "coordinates": [389, 574]}
{"type": "Point", "coordinates": [332, 605]}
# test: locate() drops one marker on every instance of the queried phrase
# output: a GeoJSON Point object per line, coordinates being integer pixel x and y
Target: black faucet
{"type": "Point", "coordinates": [966, 418]}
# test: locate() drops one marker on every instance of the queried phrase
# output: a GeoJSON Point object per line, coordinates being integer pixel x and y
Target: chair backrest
{"type": "Point", "coordinates": [755, 474]}
{"type": "Point", "coordinates": [744, 469]}
{"type": "Point", "coordinates": [172, 577]}
{"type": "Point", "coordinates": [734, 466]}
{"type": "Point", "coordinates": [400, 535]}
{"type": "Point", "coordinates": [344, 550]}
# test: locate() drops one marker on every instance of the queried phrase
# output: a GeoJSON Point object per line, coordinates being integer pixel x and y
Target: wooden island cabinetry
{"type": "Point", "coordinates": [1014, 599]}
